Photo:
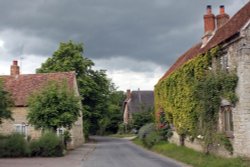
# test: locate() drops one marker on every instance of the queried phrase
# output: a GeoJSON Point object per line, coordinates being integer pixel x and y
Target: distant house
{"type": "Point", "coordinates": [21, 87]}
{"type": "Point", "coordinates": [233, 36]}
{"type": "Point", "coordinates": [137, 101]}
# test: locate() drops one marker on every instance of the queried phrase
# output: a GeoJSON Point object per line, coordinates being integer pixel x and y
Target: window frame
{"type": "Point", "coordinates": [23, 129]}
{"type": "Point", "coordinates": [227, 120]}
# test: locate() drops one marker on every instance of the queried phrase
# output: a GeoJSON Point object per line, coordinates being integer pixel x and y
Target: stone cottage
{"type": "Point", "coordinates": [137, 101]}
{"type": "Point", "coordinates": [20, 86]}
{"type": "Point", "coordinates": [233, 36]}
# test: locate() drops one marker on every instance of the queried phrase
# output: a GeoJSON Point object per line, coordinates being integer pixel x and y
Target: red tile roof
{"type": "Point", "coordinates": [232, 27]}
{"type": "Point", "coordinates": [21, 86]}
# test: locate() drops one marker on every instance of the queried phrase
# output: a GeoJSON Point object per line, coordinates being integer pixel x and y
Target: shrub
{"type": "Point", "coordinates": [146, 129]}
{"type": "Point", "coordinates": [49, 145]}
{"type": "Point", "coordinates": [13, 145]}
{"type": "Point", "coordinates": [151, 139]}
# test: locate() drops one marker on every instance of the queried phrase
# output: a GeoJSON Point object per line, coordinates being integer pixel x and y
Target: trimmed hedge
{"type": "Point", "coordinates": [13, 145]}
{"type": "Point", "coordinates": [49, 145]}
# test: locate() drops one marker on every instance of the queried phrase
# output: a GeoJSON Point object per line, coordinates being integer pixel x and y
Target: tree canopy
{"type": "Point", "coordinates": [94, 86]}
{"type": "Point", "coordinates": [5, 104]}
{"type": "Point", "coordinates": [53, 107]}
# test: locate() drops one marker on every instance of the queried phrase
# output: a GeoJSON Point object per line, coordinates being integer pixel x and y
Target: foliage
{"type": "Point", "coordinates": [164, 129]}
{"type": "Point", "coordinates": [53, 107]}
{"type": "Point", "coordinates": [151, 139]}
{"type": "Point", "coordinates": [95, 88]}
{"type": "Point", "coordinates": [122, 128]}
{"type": "Point", "coordinates": [13, 145]}
{"type": "Point", "coordinates": [224, 141]}
{"type": "Point", "coordinates": [109, 123]}
{"type": "Point", "coordinates": [48, 145]}
{"type": "Point", "coordinates": [142, 118]}
{"type": "Point", "coordinates": [191, 96]}
{"type": "Point", "coordinates": [146, 129]}
{"type": "Point", "coordinates": [66, 138]}
{"type": "Point", "coordinates": [5, 104]}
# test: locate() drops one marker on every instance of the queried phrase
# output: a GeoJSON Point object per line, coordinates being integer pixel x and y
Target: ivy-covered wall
{"type": "Point", "coordinates": [192, 94]}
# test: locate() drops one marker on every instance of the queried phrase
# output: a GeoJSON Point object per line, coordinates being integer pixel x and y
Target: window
{"type": "Point", "coordinates": [227, 118]}
{"type": "Point", "coordinates": [60, 131]}
{"type": "Point", "coordinates": [224, 62]}
{"type": "Point", "coordinates": [21, 128]}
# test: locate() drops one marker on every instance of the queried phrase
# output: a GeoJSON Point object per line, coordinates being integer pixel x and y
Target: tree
{"type": "Point", "coordinates": [109, 123]}
{"type": "Point", "coordinates": [142, 118]}
{"type": "Point", "coordinates": [94, 86]}
{"type": "Point", "coordinates": [5, 104]}
{"type": "Point", "coordinates": [53, 107]}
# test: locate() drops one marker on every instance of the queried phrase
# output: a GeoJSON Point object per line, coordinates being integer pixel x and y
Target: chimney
{"type": "Point", "coordinates": [222, 18]}
{"type": "Point", "coordinates": [128, 94]}
{"type": "Point", "coordinates": [209, 24]}
{"type": "Point", "coordinates": [14, 69]}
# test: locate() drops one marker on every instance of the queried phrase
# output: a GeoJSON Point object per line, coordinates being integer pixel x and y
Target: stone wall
{"type": "Point", "coordinates": [241, 113]}
{"type": "Point", "coordinates": [197, 145]}
{"type": "Point", "coordinates": [19, 114]}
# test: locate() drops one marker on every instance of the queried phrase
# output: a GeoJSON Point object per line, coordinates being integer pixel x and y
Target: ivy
{"type": "Point", "coordinates": [192, 94]}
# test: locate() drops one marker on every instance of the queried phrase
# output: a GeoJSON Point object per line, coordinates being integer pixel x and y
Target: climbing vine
{"type": "Point", "coordinates": [192, 94]}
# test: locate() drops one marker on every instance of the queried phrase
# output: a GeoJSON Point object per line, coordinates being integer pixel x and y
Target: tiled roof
{"type": "Point", "coordinates": [232, 27]}
{"type": "Point", "coordinates": [21, 86]}
{"type": "Point", "coordinates": [141, 100]}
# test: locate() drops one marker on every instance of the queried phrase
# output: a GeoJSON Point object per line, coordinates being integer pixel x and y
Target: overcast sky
{"type": "Point", "coordinates": [134, 40]}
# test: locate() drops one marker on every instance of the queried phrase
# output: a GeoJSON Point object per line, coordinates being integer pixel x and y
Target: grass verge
{"type": "Point", "coordinates": [194, 158]}
{"type": "Point", "coordinates": [122, 135]}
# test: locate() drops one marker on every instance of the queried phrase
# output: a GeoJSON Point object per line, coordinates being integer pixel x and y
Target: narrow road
{"type": "Point", "coordinates": [111, 152]}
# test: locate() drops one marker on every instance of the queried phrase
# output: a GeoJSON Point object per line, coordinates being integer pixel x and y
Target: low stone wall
{"type": "Point", "coordinates": [197, 146]}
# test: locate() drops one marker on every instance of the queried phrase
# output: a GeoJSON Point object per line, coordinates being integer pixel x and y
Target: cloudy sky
{"type": "Point", "coordinates": [134, 40]}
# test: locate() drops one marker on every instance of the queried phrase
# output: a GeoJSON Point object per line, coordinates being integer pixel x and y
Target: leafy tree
{"type": "Point", "coordinates": [5, 104]}
{"type": "Point", "coordinates": [142, 118]}
{"type": "Point", "coordinates": [52, 107]}
{"type": "Point", "coordinates": [94, 86]}
{"type": "Point", "coordinates": [109, 123]}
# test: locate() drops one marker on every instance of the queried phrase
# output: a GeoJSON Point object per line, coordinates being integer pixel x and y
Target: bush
{"type": "Point", "coordinates": [165, 132]}
{"type": "Point", "coordinates": [146, 129]}
{"type": "Point", "coordinates": [13, 145]}
{"type": "Point", "coordinates": [151, 139]}
{"type": "Point", "coordinates": [142, 118]}
{"type": "Point", "coordinates": [49, 145]}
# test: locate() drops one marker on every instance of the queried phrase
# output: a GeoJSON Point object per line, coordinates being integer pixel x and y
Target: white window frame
{"type": "Point", "coordinates": [23, 129]}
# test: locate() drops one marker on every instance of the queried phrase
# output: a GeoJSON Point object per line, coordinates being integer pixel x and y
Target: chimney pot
{"type": "Point", "coordinates": [222, 9]}
{"type": "Point", "coordinates": [128, 93]}
{"type": "Point", "coordinates": [209, 20]}
{"type": "Point", "coordinates": [209, 25]}
{"type": "Point", "coordinates": [14, 68]}
{"type": "Point", "coordinates": [222, 17]}
{"type": "Point", "coordinates": [209, 9]}
{"type": "Point", "coordinates": [15, 62]}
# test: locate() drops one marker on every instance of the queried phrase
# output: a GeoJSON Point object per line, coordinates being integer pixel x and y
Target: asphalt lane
{"type": "Point", "coordinates": [111, 152]}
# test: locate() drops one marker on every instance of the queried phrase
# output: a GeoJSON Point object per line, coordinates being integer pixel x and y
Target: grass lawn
{"type": "Point", "coordinates": [194, 158]}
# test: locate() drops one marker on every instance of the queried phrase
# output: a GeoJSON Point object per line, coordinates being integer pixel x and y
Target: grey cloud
{"type": "Point", "coordinates": [157, 31]}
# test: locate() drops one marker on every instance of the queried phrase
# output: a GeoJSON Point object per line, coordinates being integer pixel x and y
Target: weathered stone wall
{"type": "Point", "coordinates": [19, 114]}
{"type": "Point", "coordinates": [240, 51]}
{"type": "Point", "coordinates": [77, 129]}
{"type": "Point", "coordinates": [197, 145]}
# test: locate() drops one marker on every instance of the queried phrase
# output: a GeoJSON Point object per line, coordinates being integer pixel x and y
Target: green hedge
{"type": "Point", "coordinates": [49, 145]}
{"type": "Point", "coordinates": [15, 145]}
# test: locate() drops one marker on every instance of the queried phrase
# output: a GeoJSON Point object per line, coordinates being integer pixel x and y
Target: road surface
{"type": "Point", "coordinates": [111, 152]}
